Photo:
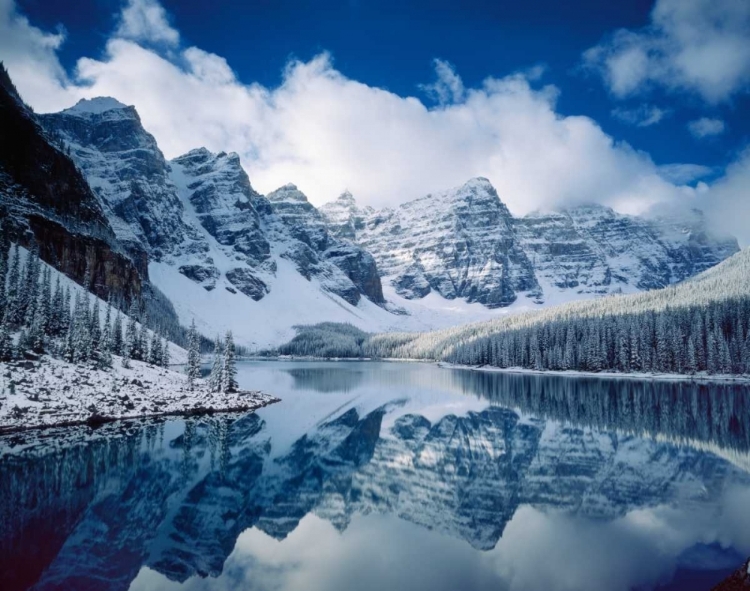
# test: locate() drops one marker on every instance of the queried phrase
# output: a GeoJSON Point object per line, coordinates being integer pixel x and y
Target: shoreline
{"type": "Point", "coordinates": [673, 377]}
{"type": "Point", "coordinates": [52, 393]}
{"type": "Point", "coordinates": [96, 421]}
{"type": "Point", "coordinates": [663, 377]}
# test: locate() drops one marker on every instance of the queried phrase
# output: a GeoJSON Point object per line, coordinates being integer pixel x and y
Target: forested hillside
{"type": "Point", "coordinates": [701, 325]}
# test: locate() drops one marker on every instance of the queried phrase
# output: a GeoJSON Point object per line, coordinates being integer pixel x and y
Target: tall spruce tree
{"type": "Point", "coordinates": [229, 373]}
{"type": "Point", "coordinates": [193, 368]}
{"type": "Point", "coordinates": [216, 379]}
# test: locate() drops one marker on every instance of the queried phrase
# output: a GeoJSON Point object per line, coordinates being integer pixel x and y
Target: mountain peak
{"type": "Point", "coordinates": [288, 192]}
{"type": "Point", "coordinates": [95, 106]}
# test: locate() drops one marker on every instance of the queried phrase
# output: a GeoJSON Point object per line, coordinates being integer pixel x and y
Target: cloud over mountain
{"type": "Point", "coordinates": [325, 131]}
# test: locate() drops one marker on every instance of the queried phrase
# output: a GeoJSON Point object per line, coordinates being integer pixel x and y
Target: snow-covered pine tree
{"type": "Point", "coordinates": [193, 368]}
{"type": "Point", "coordinates": [117, 342]}
{"type": "Point", "coordinates": [4, 264]}
{"type": "Point", "coordinates": [229, 377]}
{"type": "Point", "coordinates": [95, 328]}
{"type": "Point", "coordinates": [30, 286]}
{"type": "Point", "coordinates": [165, 355]}
{"type": "Point", "coordinates": [131, 334]}
{"type": "Point", "coordinates": [6, 344]}
{"type": "Point", "coordinates": [154, 350]}
{"type": "Point", "coordinates": [216, 379]}
{"type": "Point", "coordinates": [107, 330]}
{"type": "Point", "coordinates": [12, 300]}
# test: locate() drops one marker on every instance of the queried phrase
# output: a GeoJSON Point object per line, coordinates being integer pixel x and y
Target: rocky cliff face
{"type": "Point", "coordinates": [200, 214]}
{"type": "Point", "coordinates": [306, 224]}
{"type": "Point", "coordinates": [126, 170]}
{"type": "Point", "coordinates": [460, 243]}
{"type": "Point", "coordinates": [464, 243]}
{"type": "Point", "coordinates": [45, 200]}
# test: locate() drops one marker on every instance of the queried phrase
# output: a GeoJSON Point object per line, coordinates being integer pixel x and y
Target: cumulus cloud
{"type": "Point", "coordinates": [642, 116]}
{"type": "Point", "coordinates": [705, 126]}
{"type": "Point", "coordinates": [146, 21]}
{"type": "Point", "coordinates": [727, 203]}
{"type": "Point", "coordinates": [31, 54]}
{"type": "Point", "coordinates": [324, 131]}
{"type": "Point", "coordinates": [702, 46]}
{"type": "Point", "coordinates": [448, 88]}
{"type": "Point", "coordinates": [683, 174]}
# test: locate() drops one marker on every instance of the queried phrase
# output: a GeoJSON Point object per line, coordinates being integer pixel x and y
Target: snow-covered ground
{"type": "Point", "coordinates": [697, 377]}
{"type": "Point", "coordinates": [49, 392]}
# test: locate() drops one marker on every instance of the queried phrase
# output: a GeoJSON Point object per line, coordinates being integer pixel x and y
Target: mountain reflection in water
{"type": "Point", "coordinates": [392, 476]}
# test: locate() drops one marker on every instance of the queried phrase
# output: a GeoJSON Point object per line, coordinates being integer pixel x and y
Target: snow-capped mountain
{"type": "Point", "coordinates": [464, 243]}
{"type": "Point", "coordinates": [217, 248]}
{"type": "Point", "coordinates": [46, 201]}
{"type": "Point", "coordinates": [221, 251]}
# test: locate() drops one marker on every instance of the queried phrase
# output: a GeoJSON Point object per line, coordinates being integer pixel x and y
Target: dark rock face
{"type": "Point", "coordinates": [412, 283]}
{"type": "Point", "coordinates": [318, 253]}
{"type": "Point", "coordinates": [126, 170]}
{"type": "Point", "coordinates": [359, 266]}
{"type": "Point", "coordinates": [53, 206]}
{"type": "Point", "coordinates": [206, 276]}
{"type": "Point", "coordinates": [247, 283]}
{"type": "Point", "coordinates": [738, 581]}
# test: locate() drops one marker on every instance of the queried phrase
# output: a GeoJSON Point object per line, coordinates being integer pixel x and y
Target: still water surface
{"type": "Point", "coordinates": [375, 476]}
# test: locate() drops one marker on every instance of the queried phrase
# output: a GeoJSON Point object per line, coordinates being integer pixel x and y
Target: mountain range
{"type": "Point", "coordinates": [195, 229]}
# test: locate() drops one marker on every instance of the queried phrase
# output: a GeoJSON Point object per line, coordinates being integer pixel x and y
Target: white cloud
{"type": "Point", "coordinates": [683, 174]}
{"type": "Point", "coordinates": [705, 126]}
{"type": "Point", "coordinates": [146, 21]}
{"type": "Point", "coordinates": [31, 55]}
{"type": "Point", "coordinates": [701, 46]}
{"type": "Point", "coordinates": [448, 88]}
{"type": "Point", "coordinates": [324, 131]}
{"type": "Point", "coordinates": [728, 202]}
{"type": "Point", "coordinates": [642, 116]}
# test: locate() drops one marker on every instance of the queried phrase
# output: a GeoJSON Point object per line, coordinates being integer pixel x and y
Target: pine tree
{"type": "Point", "coordinates": [229, 376]}
{"type": "Point", "coordinates": [95, 329]}
{"type": "Point", "coordinates": [107, 330]}
{"type": "Point", "coordinates": [4, 264]}
{"type": "Point", "coordinates": [12, 300]}
{"type": "Point", "coordinates": [194, 359]}
{"type": "Point", "coordinates": [155, 353]}
{"type": "Point", "coordinates": [131, 334]}
{"type": "Point", "coordinates": [6, 344]}
{"type": "Point", "coordinates": [216, 379]}
{"type": "Point", "coordinates": [165, 356]}
{"type": "Point", "coordinates": [117, 342]}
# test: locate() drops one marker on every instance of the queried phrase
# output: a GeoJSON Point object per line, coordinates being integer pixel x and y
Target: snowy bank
{"type": "Point", "coordinates": [675, 377]}
{"type": "Point", "coordinates": [51, 392]}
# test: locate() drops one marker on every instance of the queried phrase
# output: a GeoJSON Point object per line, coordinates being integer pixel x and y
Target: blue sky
{"type": "Point", "coordinates": [391, 44]}
{"type": "Point", "coordinates": [662, 83]}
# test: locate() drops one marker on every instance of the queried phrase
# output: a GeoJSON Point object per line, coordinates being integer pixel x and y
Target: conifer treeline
{"type": "Point", "coordinates": [711, 337]}
{"type": "Point", "coordinates": [53, 320]}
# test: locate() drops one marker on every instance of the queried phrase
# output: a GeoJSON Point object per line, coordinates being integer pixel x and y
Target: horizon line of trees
{"type": "Point", "coordinates": [711, 338]}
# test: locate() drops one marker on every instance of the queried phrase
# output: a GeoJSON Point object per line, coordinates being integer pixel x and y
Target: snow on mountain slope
{"type": "Point", "coordinates": [464, 243]}
{"type": "Point", "coordinates": [220, 251]}
{"type": "Point", "coordinates": [450, 258]}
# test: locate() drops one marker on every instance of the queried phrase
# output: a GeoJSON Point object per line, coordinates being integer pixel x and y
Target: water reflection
{"type": "Point", "coordinates": [398, 476]}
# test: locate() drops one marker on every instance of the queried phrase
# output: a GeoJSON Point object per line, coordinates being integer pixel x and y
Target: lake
{"type": "Point", "coordinates": [390, 476]}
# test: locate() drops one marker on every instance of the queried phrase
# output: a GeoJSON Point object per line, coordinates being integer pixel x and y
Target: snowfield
{"type": "Point", "coordinates": [51, 392]}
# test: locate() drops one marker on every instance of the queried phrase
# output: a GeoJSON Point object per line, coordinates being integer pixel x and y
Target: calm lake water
{"type": "Point", "coordinates": [390, 476]}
